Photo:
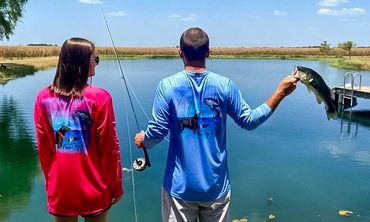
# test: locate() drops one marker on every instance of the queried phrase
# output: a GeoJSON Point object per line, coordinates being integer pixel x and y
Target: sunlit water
{"type": "Point", "coordinates": [298, 165]}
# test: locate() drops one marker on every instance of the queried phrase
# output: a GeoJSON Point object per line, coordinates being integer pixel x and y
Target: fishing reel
{"type": "Point", "coordinates": [141, 163]}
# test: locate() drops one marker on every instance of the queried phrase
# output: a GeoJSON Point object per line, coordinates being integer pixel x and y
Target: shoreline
{"type": "Point", "coordinates": [12, 68]}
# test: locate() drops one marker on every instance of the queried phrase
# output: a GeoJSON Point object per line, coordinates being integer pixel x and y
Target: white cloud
{"type": "Point", "coordinates": [341, 12]}
{"type": "Point", "coordinates": [117, 13]}
{"type": "Point", "coordinates": [331, 3]}
{"type": "Point", "coordinates": [280, 13]}
{"type": "Point", "coordinates": [174, 16]}
{"type": "Point", "coordinates": [90, 1]}
{"type": "Point", "coordinates": [326, 11]}
{"type": "Point", "coordinates": [190, 18]}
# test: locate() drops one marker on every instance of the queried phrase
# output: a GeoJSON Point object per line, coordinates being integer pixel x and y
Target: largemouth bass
{"type": "Point", "coordinates": [315, 83]}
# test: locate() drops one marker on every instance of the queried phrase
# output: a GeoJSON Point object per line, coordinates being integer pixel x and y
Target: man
{"type": "Point", "coordinates": [193, 105]}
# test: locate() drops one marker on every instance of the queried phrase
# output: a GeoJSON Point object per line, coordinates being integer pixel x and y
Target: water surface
{"type": "Point", "coordinates": [298, 165]}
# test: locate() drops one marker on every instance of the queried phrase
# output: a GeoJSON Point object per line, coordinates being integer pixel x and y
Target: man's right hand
{"type": "Point", "coordinates": [285, 87]}
{"type": "Point", "coordinates": [139, 139]}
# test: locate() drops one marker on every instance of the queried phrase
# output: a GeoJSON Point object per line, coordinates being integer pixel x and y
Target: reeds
{"type": "Point", "coordinates": [18, 52]}
{"type": "Point", "coordinates": [292, 52]}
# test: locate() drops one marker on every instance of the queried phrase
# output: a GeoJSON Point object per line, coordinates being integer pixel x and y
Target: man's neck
{"type": "Point", "coordinates": [195, 69]}
{"type": "Point", "coordinates": [195, 66]}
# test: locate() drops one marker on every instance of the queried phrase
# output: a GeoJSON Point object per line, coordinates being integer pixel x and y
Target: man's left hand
{"type": "Point", "coordinates": [139, 139]}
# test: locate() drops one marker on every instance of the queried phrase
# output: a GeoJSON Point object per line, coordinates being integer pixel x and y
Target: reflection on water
{"type": "Point", "coordinates": [18, 159]}
{"type": "Point", "coordinates": [350, 121]}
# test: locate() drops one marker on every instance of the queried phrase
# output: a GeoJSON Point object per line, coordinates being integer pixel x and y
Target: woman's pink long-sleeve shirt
{"type": "Point", "coordinates": [78, 150]}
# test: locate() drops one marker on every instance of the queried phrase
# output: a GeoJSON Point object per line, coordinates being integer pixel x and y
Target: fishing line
{"type": "Point", "coordinates": [140, 163]}
{"type": "Point", "coordinates": [141, 107]}
{"type": "Point", "coordinates": [131, 160]}
{"type": "Point", "coordinates": [147, 162]}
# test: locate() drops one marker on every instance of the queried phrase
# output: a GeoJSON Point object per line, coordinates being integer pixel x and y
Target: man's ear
{"type": "Point", "coordinates": [208, 53]}
{"type": "Point", "coordinates": [181, 54]}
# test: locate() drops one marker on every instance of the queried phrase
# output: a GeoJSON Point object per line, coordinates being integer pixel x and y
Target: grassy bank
{"type": "Point", "coordinates": [14, 68]}
{"type": "Point", "coordinates": [355, 63]}
{"type": "Point", "coordinates": [19, 61]}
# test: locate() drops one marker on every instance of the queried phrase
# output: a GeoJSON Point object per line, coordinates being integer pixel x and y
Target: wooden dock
{"type": "Point", "coordinates": [363, 92]}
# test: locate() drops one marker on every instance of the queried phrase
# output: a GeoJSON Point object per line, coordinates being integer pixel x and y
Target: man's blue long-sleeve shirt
{"type": "Point", "coordinates": [194, 107]}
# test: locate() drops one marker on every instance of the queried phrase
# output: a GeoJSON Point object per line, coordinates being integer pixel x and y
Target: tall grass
{"type": "Point", "coordinates": [19, 60]}
{"type": "Point", "coordinates": [18, 52]}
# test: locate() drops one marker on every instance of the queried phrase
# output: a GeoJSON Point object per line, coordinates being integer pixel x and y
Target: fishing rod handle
{"type": "Point", "coordinates": [147, 157]}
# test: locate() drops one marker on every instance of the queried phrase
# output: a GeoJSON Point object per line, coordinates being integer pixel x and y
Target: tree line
{"type": "Point", "coordinates": [347, 46]}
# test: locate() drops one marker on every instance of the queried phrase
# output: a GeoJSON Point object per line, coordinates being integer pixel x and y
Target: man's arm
{"type": "Point", "coordinates": [250, 119]}
{"type": "Point", "coordinates": [159, 125]}
{"type": "Point", "coordinates": [286, 86]}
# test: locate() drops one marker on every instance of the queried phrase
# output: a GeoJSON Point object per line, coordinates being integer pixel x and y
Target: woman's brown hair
{"type": "Point", "coordinates": [73, 67]}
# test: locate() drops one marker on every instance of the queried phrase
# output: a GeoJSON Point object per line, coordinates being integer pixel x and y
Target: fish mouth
{"type": "Point", "coordinates": [300, 73]}
{"type": "Point", "coordinates": [294, 71]}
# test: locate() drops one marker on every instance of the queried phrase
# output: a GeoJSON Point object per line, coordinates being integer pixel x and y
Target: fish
{"type": "Point", "coordinates": [213, 104]}
{"type": "Point", "coordinates": [315, 83]}
{"type": "Point", "coordinates": [85, 119]}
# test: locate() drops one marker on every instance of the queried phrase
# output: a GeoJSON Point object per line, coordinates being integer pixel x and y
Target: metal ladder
{"type": "Point", "coordinates": [348, 94]}
{"type": "Point", "coordinates": [349, 125]}
{"type": "Point", "coordinates": [352, 77]}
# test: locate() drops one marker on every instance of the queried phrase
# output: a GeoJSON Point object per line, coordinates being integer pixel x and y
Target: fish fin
{"type": "Point", "coordinates": [318, 99]}
{"type": "Point", "coordinates": [308, 89]}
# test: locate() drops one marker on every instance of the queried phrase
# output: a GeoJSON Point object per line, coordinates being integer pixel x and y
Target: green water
{"type": "Point", "coordinates": [298, 165]}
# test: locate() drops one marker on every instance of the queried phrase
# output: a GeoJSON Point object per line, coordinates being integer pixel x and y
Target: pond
{"type": "Point", "coordinates": [297, 166]}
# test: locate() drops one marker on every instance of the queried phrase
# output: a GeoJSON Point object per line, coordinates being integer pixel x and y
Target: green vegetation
{"type": "Point", "coordinates": [356, 63]}
{"type": "Point", "coordinates": [347, 46]}
{"type": "Point", "coordinates": [11, 69]}
{"type": "Point", "coordinates": [325, 47]}
{"type": "Point", "coordinates": [10, 13]}
{"type": "Point", "coordinates": [19, 61]}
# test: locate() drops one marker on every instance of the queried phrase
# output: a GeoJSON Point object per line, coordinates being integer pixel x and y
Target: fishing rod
{"type": "Point", "coordinates": [140, 163]}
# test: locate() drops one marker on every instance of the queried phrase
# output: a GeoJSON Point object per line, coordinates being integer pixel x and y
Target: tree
{"type": "Point", "coordinates": [347, 46]}
{"type": "Point", "coordinates": [10, 13]}
{"type": "Point", "coordinates": [324, 47]}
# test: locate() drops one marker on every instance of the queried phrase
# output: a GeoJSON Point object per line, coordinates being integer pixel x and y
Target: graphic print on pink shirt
{"type": "Point", "coordinates": [71, 122]}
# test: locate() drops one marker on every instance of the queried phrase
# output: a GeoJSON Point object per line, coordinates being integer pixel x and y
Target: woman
{"type": "Point", "coordinates": [76, 138]}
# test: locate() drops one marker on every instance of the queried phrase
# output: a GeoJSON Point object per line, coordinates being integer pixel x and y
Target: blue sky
{"type": "Point", "coordinates": [229, 23]}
